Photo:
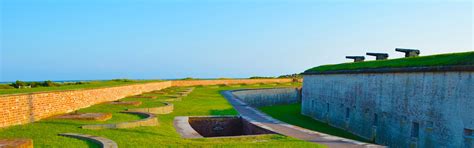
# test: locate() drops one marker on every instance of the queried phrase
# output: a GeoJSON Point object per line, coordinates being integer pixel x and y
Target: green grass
{"type": "Point", "coordinates": [90, 85]}
{"type": "Point", "coordinates": [202, 101]}
{"type": "Point", "coordinates": [465, 58]}
{"type": "Point", "coordinates": [291, 114]}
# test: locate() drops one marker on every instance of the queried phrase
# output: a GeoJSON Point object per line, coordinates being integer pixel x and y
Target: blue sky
{"type": "Point", "coordinates": [152, 39]}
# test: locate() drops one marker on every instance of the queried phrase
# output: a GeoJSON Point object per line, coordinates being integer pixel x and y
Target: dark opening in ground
{"type": "Point", "coordinates": [225, 126]}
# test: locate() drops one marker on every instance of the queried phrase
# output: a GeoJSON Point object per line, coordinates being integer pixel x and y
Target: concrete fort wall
{"type": "Point", "coordinates": [26, 108]}
{"type": "Point", "coordinates": [268, 97]}
{"type": "Point", "coordinates": [397, 109]}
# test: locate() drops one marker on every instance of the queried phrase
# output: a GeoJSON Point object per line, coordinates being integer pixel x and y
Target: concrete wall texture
{"type": "Point", "coordinates": [268, 97]}
{"type": "Point", "coordinates": [27, 108]}
{"type": "Point", "coordinates": [412, 109]}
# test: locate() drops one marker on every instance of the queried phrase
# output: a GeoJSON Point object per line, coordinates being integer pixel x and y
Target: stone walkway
{"type": "Point", "coordinates": [261, 119]}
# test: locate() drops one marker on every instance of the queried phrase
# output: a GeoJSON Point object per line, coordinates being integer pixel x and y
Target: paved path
{"type": "Point", "coordinates": [261, 119]}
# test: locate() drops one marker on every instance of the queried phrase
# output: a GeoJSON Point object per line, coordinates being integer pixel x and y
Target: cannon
{"type": "Point", "coordinates": [378, 56]}
{"type": "Point", "coordinates": [356, 58]}
{"type": "Point", "coordinates": [409, 52]}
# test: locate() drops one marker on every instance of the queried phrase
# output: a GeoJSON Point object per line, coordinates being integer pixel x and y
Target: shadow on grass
{"type": "Point", "coordinates": [290, 114]}
{"type": "Point", "coordinates": [91, 144]}
{"type": "Point", "coordinates": [135, 131]}
{"type": "Point", "coordinates": [59, 122]}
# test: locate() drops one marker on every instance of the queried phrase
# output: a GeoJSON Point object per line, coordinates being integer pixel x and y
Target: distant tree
{"type": "Point", "coordinates": [36, 84]}
{"type": "Point", "coordinates": [291, 76]}
{"type": "Point", "coordinates": [188, 78]}
{"type": "Point", "coordinates": [259, 77]}
{"type": "Point", "coordinates": [6, 86]}
{"type": "Point", "coordinates": [122, 80]}
{"type": "Point", "coordinates": [50, 83]}
{"type": "Point", "coordinates": [80, 83]}
{"type": "Point", "coordinates": [224, 78]}
{"type": "Point", "coordinates": [19, 84]}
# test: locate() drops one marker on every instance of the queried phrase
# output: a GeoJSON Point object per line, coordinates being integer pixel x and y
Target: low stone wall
{"type": "Point", "coordinates": [228, 82]}
{"type": "Point", "coordinates": [27, 108]}
{"type": "Point", "coordinates": [268, 97]}
{"type": "Point", "coordinates": [396, 108]}
{"type": "Point", "coordinates": [150, 120]}
{"type": "Point", "coordinates": [103, 142]}
{"type": "Point", "coordinates": [168, 108]}
{"type": "Point", "coordinates": [16, 143]}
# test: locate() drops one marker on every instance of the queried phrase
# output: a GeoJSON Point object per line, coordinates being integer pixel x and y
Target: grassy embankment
{"type": "Point", "coordinates": [291, 114]}
{"type": "Point", "coordinates": [204, 100]}
{"type": "Point", "coordinates": [465, 58]}
{"type": "Point", "coordinates": [87, 85]}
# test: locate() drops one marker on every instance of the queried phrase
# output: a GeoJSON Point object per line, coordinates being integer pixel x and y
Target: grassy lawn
{"type": "Point", "coordinates": [204, 100]}
{"type": "Point", "coordinates": [89, 85]}
{"type": "Point", "coordinates": [291, 114]}
{"type": "Point", "coordinates": [465, 58]}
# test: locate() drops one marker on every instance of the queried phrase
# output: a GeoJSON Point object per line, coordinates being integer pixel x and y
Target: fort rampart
{"type": "Point", "coordinates": [430, 107]}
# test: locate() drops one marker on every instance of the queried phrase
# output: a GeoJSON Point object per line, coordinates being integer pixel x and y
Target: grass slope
{"type": "Point", "coordinates": [292, 114]}
{"type": "Point", "coordinates": [465, 58]}
{"type": "Point", "coordinates": [202, 101]}
{"type": "Point", "coordinates": [90, 85]}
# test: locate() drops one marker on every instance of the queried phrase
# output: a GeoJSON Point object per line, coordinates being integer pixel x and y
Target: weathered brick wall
{"type": "Point", "coordinates": [26, 108]}
{"type": "Point", "coordinates": [238, 81]}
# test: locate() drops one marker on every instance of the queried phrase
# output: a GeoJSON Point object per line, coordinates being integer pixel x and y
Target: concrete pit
{"type": "Point", "coordinates": [224, 126]}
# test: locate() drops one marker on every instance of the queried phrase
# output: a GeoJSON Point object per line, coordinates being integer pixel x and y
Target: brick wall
{"type": "Point", "coordinates": [27, 108]}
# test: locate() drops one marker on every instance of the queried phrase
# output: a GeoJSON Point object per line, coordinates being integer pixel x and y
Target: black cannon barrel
{"type": "Point", "coordinates": [409, 52]}
{"type": "Point", "coordinates": [378, 56]}
{"type": "Point", "coordinates": [356, 58]}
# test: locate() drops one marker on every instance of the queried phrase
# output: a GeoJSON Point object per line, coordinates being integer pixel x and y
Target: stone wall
{"type": "Point", "coordinates": [397, 109]}
{"type": "Point", "coordinates": [27, 108]}
{"type": "Point", "coordinates": [268, 97]}
{"type": "Point", "coordinates": [168, 108]}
